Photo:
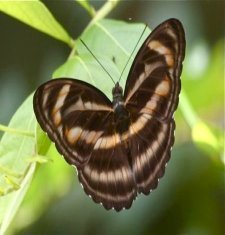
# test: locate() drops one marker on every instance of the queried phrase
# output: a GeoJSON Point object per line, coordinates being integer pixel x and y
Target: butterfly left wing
{"type": "Point", "coordinates": [79, 119]}
{"type": "Point", "coordinates": [151, 97]}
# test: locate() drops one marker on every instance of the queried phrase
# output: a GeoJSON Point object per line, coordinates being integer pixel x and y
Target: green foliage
{"type": "Point", "coordinates": [24, 144]}
{"type": "Point", "coordinates": [35, 14]}
{"type": "Point", "coordinates": [120, 36]}
{"type": "Point", "coordinates": [16, 171]}
{"type": "Point", "coordinates": [204, 99]}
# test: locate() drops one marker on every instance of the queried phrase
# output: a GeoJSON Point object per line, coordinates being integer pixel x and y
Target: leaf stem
{"type": "Point", "coordinates": [85, 4]}
{"type": "Point", "coordinates": [16, 131]}
{"type": "Point", "coordinates": [103, 11]}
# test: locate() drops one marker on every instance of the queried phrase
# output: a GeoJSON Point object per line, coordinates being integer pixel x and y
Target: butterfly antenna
{"type": "Point", "coordinates": [97, 60]}
{"type": "Point", "coordinates": [133, 51]}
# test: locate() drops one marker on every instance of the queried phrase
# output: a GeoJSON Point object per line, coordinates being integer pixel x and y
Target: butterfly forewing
{"type": "Point", "coordinates": [153, 84]}
{"type": "Point", "coordinates": [119, 152]}
{"type": "Point", "coordinates": [74, 115]}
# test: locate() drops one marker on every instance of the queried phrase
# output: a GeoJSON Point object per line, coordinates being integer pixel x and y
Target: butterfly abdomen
{"type": "Point", "coordinates": [121, 114]}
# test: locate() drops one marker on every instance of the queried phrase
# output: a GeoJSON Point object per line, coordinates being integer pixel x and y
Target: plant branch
{"type": "Point", "coordinates": [85, 4]}
{"type": "Point", "coordinates": [103, 11]}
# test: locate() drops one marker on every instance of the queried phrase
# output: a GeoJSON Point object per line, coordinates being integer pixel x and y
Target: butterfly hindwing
{"type": "Point", "coordinates": [108, 178]}
{"type": "Point", "coordinates": [150, 151]}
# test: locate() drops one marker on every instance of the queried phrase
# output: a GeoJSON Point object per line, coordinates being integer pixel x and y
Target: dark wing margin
{"type": "Point", "coordinates": [153, 84]}
{"type": "Point", "coordinates": [151, 97]}
{"type": "Point", "coordinates": [74, 114]}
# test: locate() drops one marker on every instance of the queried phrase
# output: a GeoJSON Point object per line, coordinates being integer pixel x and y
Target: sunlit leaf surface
{"type": "Point", "coordinates": [15, 171]}
{"type": "Point", "coordinates": [35, 14]}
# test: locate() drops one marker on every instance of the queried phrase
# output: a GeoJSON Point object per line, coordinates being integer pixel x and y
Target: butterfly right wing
{"type": "Point", "coordinates": [151, 97]}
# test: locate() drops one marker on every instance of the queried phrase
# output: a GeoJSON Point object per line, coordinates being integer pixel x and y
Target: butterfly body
{"type": "Point", "coordinates": [121, 114]}
{"type": "Point", "coordinates": [120, 147]}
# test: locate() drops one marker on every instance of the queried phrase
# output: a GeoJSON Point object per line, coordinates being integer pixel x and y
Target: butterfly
{"type": "Point", "coordinates": [120, 147]}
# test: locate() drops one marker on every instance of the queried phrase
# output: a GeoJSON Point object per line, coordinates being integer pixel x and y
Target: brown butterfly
{"type": "Point", "coordinates": [119, 148]}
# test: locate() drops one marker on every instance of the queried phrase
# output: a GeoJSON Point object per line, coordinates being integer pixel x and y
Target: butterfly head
{"type": "Point", "coordinates": [117, 90]}
{"type": "Point", "coordinates": [117, 93]}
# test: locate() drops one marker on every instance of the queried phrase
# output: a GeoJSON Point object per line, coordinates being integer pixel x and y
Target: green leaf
{"type": "Point", "coordinates": [84, 67]}
{"type": "Point", "coordinates": [15, 171]}
{"type": "Point", "coordinates": [118, 46]}
{"type": "Point", "coordinates": [56, 174]}
{"type": "Point", "coordinates": [42, 141]}
{"type": "Point", "coordinates": [10, 203]}
{"type": "Point", "coordinates": [35, 14]}
{"type": "Point", "coordinates": [119, 39]}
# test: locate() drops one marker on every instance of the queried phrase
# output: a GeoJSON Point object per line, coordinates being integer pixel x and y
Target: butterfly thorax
{"type": "Point", "coordinates": [121, 115]}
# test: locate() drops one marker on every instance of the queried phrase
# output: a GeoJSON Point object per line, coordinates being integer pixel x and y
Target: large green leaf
{"type": "Point", "coordinates": [112, 43]}
{"type": "Point", "coordinates": [119, 39]}
{"type": "Point", "coordinates": [35, 14]}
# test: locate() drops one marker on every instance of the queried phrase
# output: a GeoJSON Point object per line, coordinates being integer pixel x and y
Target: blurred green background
{"type": "Point", "coordinates": [190, 197]}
